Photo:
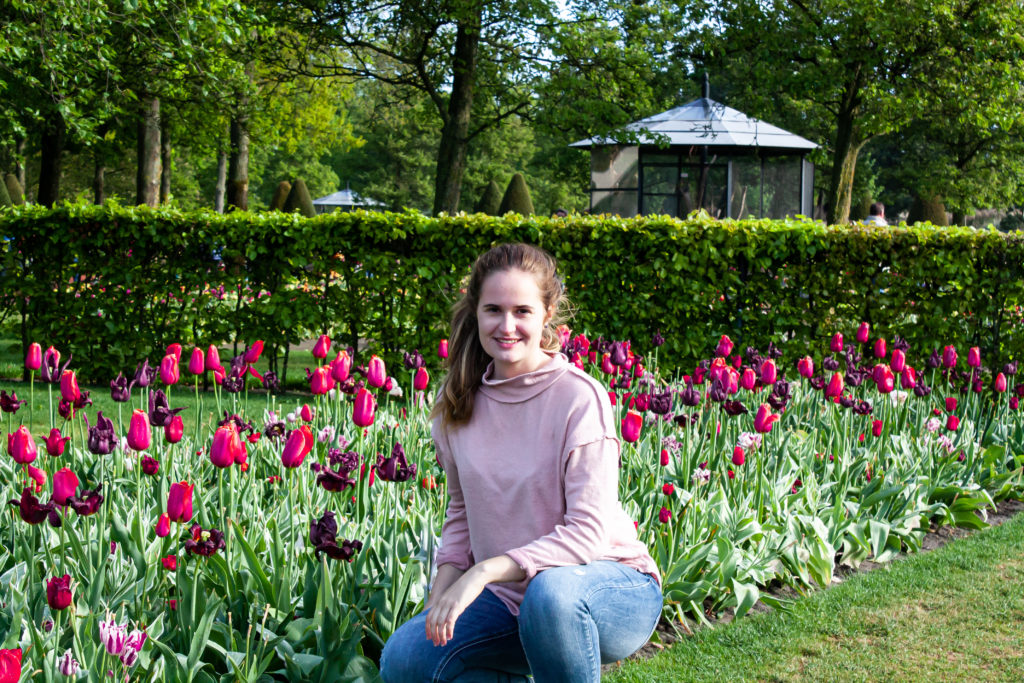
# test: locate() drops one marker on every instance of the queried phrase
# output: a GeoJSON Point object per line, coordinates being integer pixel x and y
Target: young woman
{"type": "Point", "coordinates": [540, 571]}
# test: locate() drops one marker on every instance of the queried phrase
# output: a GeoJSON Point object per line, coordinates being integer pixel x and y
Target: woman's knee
{"type": "Point", "coordinates": [402, 659]}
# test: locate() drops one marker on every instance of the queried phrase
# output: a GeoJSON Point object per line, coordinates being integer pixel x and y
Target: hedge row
{"type": "Point", "coordinates": [114, 285]}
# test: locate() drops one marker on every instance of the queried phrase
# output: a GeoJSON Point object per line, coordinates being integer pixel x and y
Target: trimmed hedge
{"type": "Point", "coordinates": [113, 285]}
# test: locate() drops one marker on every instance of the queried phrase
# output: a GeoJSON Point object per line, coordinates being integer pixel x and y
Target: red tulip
{"type": "Point", "coordinates": [322, 347]}
{"type": "Point", "coordinates": [950, 404]}
{"type": "Point", "coordinates": [65, 483]}
{"type": "Point", "coordinates": [884, 379]}
{"type": "Point", "coordinates": [949, 357]}
{"type": "Point", "coordinates": [21, 446]}
{"type": "Point", "coordinates": [664, 457]}
{"type": "Point", "coordinates": [952, 423]}
{"type": "Point", "coordinates": [196, 363]}
{"type": "Point", "coordinates": [341, 366]}
{"type": "Point", "coordinates": [138, 430]}
{"type": "Point", "coordinates": [835, 386]}
{"type": "Point", "coordinates": [10, 665]}
{"type": "Point", "coordinates": [376, 374]}
{"type": "Point", "coordinates": [908, 378]}
{"type": "Point", "coordinates": [898, 362]}
{"type": "Point", "coordinates": [55, 443]}
{"type": "Point", "coordinates": [1000, 383]}
{"type": "Point", "coordinates": [631, 426]}
{"type": "Point", "coordinates": [606, 364]}
{"type": "Point", "coordinates": [724, 347]}
{"type": "Point", "coordinates": [227, 446]}
{"type": "Point", "coordinates": [163, 526]}
{"type": "Point", "coordinates": [179, 502]}
{"type": "Point", "coordinates": [58, 592]}
{"type": "Point", "coordinates": [170, 562]}
{"type": "Point", "coordinates": [664, 515]}
{"type": "Point", "coordinates": [298, 446]}
{"type": "Point", "coordinates": [769, 373]}
{"type": "Point", "coordinates": [748, 379]}
{"type": "Point", "coordinates": [805, 366]}
{"type": "Point", "coordinates": [738, 456]}
{"type": "Point", "coordinates": [880, 349]}
{"type": "Point", "coordinates": [764, 419]}
{"type": "Point", "coordinates": [212, 361]}
{"type": "Point", "coordinates": [421, 379]}
{"type": "Point", "coordinates": [69, 386]}
{"type": "Point", "coordinates": [876, 427]}
{"type": "Point", "coordinates": [174, 429]}
{"type": "Point", "coordinates": [34, 357]}
{"type": "Point", "coordinates": [363, 408]}
{"type": "Point", "coordinates": [974, 357]}
{"type": "Point", "coordinates": [252, 354]}
{"type": "Point", "coordinates": [863, 333]}
{"type": "Point", "coordinates": [320, 380]}
{"type": "Point", "coordinates": [668, 489]}
{"type": "Point", "coordinates": [169, 373]}
{"type": "Point", "coordinates": [174, 350]}
{"type": "Point", "coordinates": [306, 413]}
{"type": "Point", "coordinates": [442, 349]}
{"type": "Point", "coordinates": [638, 370]}
{"type": "Point", "coordinates": [38, 476]}
{"type": "Point", "coordinates": [1014, 402]}
{"type": "Point", "coordinates": [577, 360]}
{"type": "Point", "coordinates": [837, 343]}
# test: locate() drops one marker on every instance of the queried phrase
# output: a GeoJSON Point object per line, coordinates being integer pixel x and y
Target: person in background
{"type": "Point", "coordinates": [876, 214]}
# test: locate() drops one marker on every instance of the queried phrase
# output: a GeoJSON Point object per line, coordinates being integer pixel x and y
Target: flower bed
{"type": "Point", "coordinates": [290, 546]}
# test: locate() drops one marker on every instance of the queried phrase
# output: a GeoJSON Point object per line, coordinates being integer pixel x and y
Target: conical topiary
{"type": "Point", "coordinates": [14, 189]}
{"type": "Point", "coordinates": [280, 196]}
{"type": "Point", "coordinates": [517, 197]}
{"type": "Point", "coordinates": [5, 197]}
{"type": "Point", "coordinates": [928, 210]}
{"type": "Point", "coordinates": [490, 201]}
{"type": "Point", "coordinates": [299, 200]}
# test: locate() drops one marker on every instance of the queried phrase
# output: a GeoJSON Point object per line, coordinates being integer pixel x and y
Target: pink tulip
{"type": "Point", "coordinates": [376, 374]}
{"type": "Point", "coordinates": [732, 380]}
{"type": "Point", "coordinates": [880, 348]}
{"type": "Point", "coordinates": [442, 349]}
{"type": "Point", "coordinates": [950, 404]}
{"type": "Point", "coordinates": [322, 347]}
{"type": "Point", "coordinates": [764, 419]}
{"type": "Point", "coordinates": [421, 379]}
{"type": "Point", "coordinates": [179, 502]}
{"type": "Point", "coordinates": [341, 366]}
{"type": "Point", "coordinates": [724, 347]}
{"type": "Point", "coordinates": [837, 343]}
{"type": "Point", "coordinates": [606, 364]}
{"type": "Point", "coordinates": [876, 427]}
{"type": "Point", "coordinates": [884, 379]}
{"type": "Point", "coordinates": [1000, 383]}
{"type": "Point", "coordinates": [196, 363]}
{"type": "Point", "coordinates": [738, 457]}
{"type": "Point", "coordinates": [252, 353]}
{"type": "Point", "coordinates": [227, 446]}
{"type": "Point", "coordinates": [908, 378]}
{"type": "Point", "coordinates": [69, 386]}
{"type": "Point", "coordinates": [138, 430]}
{"type": "Point", "coordinates": [949, 357]}
{"type": "Point", "coordinates": [898, 361]}
{"type": "Point", "coordinates": [169, 373]}
{"type": "Point", "coordinates": [306, 413]}
{"type": "Point", "coordinates": [805, 366]}
{"type": "Point", "coordinates": [363, 408]}
{"type": "Point", "coordinates": [212, 361]}
{"type": "Point", "coordinates": [748, 379]}
{"type": "Point", "coordinates": [769, 373]}
{"type": "Point", "coordinates": [34, 357]}
{"type": "Point", "coordinates": [21, 446]}
{"type": "Point", "coordinates": [174, 350]}
{"type": "Point", "coordinates": [974, 357]}
{"type": "Point", "coordinates": [65, 483]}
{"type": "Point", "coordinates": [320, 381]}
{"type": "Point", "coordinates": [298, 446]}
{"type": "Point", "coordinates": [863, 333]}
{"type": "Point", "coordinates": [55, 443]}
{"type": "Point", "coordinates": [163, 525]}
{"type": "Point", "coordinates": [664, 515]}
{"type": "Point", "coordinates": [664, 458]}
{"type": "Point", "coordinates": [631, 426]}
{"type": "Point", "coordinates": [174, 430]}
{"type": "Point", "coordinates": [38, 476]}
{"type": "Point", "coordinates": [952, 423]}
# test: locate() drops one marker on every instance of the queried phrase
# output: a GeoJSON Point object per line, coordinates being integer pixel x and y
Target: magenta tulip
{"type": "Point", "coordinates": [179, 502]}
{"type": "Point", "coordinates": [65, 483]}
{"type": "Point", "coordinates": [169, 373]}
{"type": "Point", "coordinates": [212, 360]}
{"type": "Point", "coordinates": [58, 592]}
{"type": "Point", "coordinates": [341, 366]}
{"type": "Point", "coordinates": [69, 386]}
{"type": "Point", "coordinates": [748, 379]}
{"type": "Point", "coordinates": [898, 361]}
{"type": "Point", "coordinates": [631, 425]}
{"type": "Point", "coordinates": [322, 347]}
{"type": "Point", "coordinates": [306, 413]}
{"type": "Point", "coordinates": [738, 456]}
{"type": "Point", "coordinates": [363, 408]}
{"type": "Point", "coordinates": [724, 347]}
{"type": "Point", "coordinates": [252, 353]}
{"type": "Point", "coordinates": [876, 427]}
{"type": "Point", "coordinates": [949, 357]}
{"type": "Point", "coordinates": [884, 379]}
{"type": "Point", "coordinates": [805, 366]}
{"type": "Point", "coordinates": [174, 350]}
{"type": "Point", "coordinates": [298, 446]}
{"type": "Point", "coordinates": [664, 515]}
{"type": "Point", "coordinates": [163, 526]}
{"type": "Point", "coordinates": [1000, 383]}
{"type": "Point", "coordinates": [974, 357]}
{"type": "Point", "coordinates": [138, 431]}
{"type": "Point", "coordinates": [226, 446]}
{"type": "Point", "coordinates": [421, 379]}
{"type": "Point", "coordinates": [836, 345]}
{"type": "Point", "coordinates": [34, 357]}
{"type": "Point", "coordinates": [863, 333]}
{"type": "Point", "coordinates": [442, 349]}
{"type": "Point", "coordinates": [952, 423]}
{"type": "Point", "coordinates": [908, 378]}
{"type": "Point", "coordinates": [21, 446]}
{"type": "Point", "coordinates": [376, 374]}
{"type": "Point", "coordinates": [320, 380]}
{"type": "Point", "coordinates": [764, 419]}
{"type": "Point", "coordinates": [769, 373]}
{"type": "Point", "coordinates": [55, 443]}
{"type": "Point", "coordinates": [174, 429]}
{"type": "Point", "coordinates": [197, 363]}
{"type": "Point", "coordinates": [950, 404]}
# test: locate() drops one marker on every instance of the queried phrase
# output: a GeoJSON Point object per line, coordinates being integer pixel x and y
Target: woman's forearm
{"type": "Point", "coordinates": [447, 574]}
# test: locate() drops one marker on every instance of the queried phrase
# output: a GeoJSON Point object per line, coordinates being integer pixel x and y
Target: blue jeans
{"type": "Point", "coordinates": [572, 620]}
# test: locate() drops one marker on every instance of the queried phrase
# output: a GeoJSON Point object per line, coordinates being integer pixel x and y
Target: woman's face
{"type": "Point", "coordinates": [511, 318]}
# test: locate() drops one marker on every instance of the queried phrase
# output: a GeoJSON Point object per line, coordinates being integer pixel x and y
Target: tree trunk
{"type": "Point", "coordinates": [238, 163]}
{"type": "Point", "coordinates": [99, 190]}
{"type": "Point", "coordinates": [222, 179]}
{"type": "Point", "coordinates": [51, 149]}
{"type": "Point", "coordinates": [19, 161]}
{"type": "Point", "coordinates": [451, 154]}
{"type": "Point", "coordinates": [147, 176]}
{"type": "Point", "coordinates": [165, 161]}
{"type": "Point", "coordinates": [844, 163]}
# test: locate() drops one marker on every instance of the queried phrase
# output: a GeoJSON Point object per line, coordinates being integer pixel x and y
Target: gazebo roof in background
{"type": "Point", "coordinates": [705, 122]}
{"type": "Point", "coordinates": [344, 197]}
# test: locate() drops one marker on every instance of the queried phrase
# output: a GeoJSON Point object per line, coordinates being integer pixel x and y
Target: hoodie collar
{"type": "Point", "coordinates": [523, 387]}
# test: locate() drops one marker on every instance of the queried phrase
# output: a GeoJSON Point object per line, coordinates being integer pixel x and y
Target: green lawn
{"type": "Point", "coordinates": [955, 613]}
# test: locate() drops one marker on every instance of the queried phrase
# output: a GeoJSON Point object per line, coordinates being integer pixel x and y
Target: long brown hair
{"type": "Point", "coordinates": [467, 359]}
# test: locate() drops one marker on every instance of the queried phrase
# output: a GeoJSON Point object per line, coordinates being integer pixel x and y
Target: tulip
{"type": "Point", "coordinates": [949, 357]}
{"type": "Point", "coordinates": [836, 345]}
{"type": "Point", "coordinates": [51, 363]}
{"type": "Point", "coordinates": [21, 446]}
{"type": "Point", "coordinates": [174, 350]}
{"type": "Point", "coordinates": [88, 503]}
{"type": "Point", "coordinates": [952, 423]}
{"type": "Point", "coordinates": [421, 379]}
{"type": "Point", "coordinates": [664, 457]}
{"type": "Point", "coordinates": [212, 360]}
{"type": "Point", "coordinates": [974, 357]}
{"type": "Point", "coordinates": [607, 367]}
{"type": "Point", "coordinates": [1014, 402]}
{"type": "Point", "coordinates": [1000, 383]}
{"type": "Point", "coordinates": [664, 515]}
{"type": "Point", "coordinates": [738, 456]}
{"type": "Point", "coordinates": [748, 379]}
{"type": "Point", "coordinates": [769, 372]}
{"type": "Point", "coordinates": [306, 413]}
{"type": "Point", "coordinates": [34, 357]}
{"type": "Point", "coordinates": [631, 426]}
{"type": "Point", "coordinates": [805, 366]}
{"type": "Point", "coordinates": [835, 386]}
{"type": "Point", "coordinates": [341, 366]}
{"type": "Point", "coordinates": [170, 562]}
{"type": "Point", "coordinates": [10, 665]}
{"type": "Point", "coordinates": [442, 349]}
{"type": "Point", "coordinates": [38, 476]}
{"type": "Point", "coordinates": [299, 444]}
{"type": "Point", "coordinates": [163, 526]}
{"type": "Point", "coordinates": [376, 375]}
{"type": "Point", "coordinates": [169, 373]}
{"type": "Point", "coordinates": [322, 346]}
{"type": "Point", "coordinates": [197, 363]}
{"type": "Point", "coordinates": [113, 637]}
{"type": "Point", "coordinates": [32, 511]}
{"type": "Point", "coordinates": [876, 427]}
{"type": "Point", "coordinates": [58, 592]}
{"type": "Point", "coordinates": [65, 483]}
{"type": "Point", "coordinates": [724, 347]}
{"type": "Point", "coordinates": [323, 536]}
{"type": "Point", "coordinates": [395, 467]}
{"type": "Point", "coordinates": [174, 430]}
{"type": "Point", "coordinates": [764, 419]}
{"type": "Point", "coordinates": [179, 502]}
{"type": "Point", "coordinates": [67, 665]}
{"type": "Point", "coordinates": [138, 431]}
{"type": "Point", "coordinates": [320, 380]}
{"type": "Point", "coordinates": [950, 404]}
{"type": "Point", "coordinates": [69, 386]}
{"type": "Point", "coordinates": [863, 333]}
{"type": "Point", "coordinates": [10, 403]}
{"type": "Point", "coordinates": [668, 489]}
{"type": "Point", "coordinates": [363, 408]}
{"type": "Point", "coordinates": [880, 350]}
{"type": "Point", "coordinates": [908, 378]}
{"type": "Point", "coordinates": [227, 446]}
{"type": "Point", "coordinates": [121, 388]}
{"type": "Point", "coordinates": [252, 353]}
{"type": "Point", "coordinates": [150, 466]}
{"type": "Point", "coordinates": [204, 542]}
{"type": "Point", "coordinates": [413, 361]}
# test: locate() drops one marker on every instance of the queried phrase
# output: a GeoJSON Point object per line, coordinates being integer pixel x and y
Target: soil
{"type": "Point", "coordinates": [668, 633]}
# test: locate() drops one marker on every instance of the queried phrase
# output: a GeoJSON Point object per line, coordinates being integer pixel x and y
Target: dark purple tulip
{"type": "Point", "coordinates": [271, 383]}
{"type": "Point", "coordinates": [332, 480]}
{"type": "Point", "coordinates": [734, 408]}
{"type": "Point", "coordinates": [10, 404]}
{"type": "Point", "coordinates": [88, 503]}
{"type": "Point", "coordinates": [661, 404]}
{"type": "Point", "coordinates": [275, 430]}
{"type": "Point", "coordinates": [323, 535]}
{"type": "Point", "coordinates": [619, 356]}
{"type": "Point", "coordinates": [204, 542]}
{"type": "Point", "coordinates": [33, 512]}
{"type": "Point", "coordinates": [121, 388]}
{"type": "Point", "coordinates": [921, 390]}
{"type": "Point", "coordinates": [241, 426]}
{"type": "Point", "coordinates": [847, 401]}
{"type": "Point", "coordinates": [830, 363]}
{"type": "Point", "coordinates": [855, 376]}
{"type": "Point", "coordinates": [52, 369]}
{"type": "Point", "coordinates": [413, 361]}
{"type": "Point", "coordinates": [83, 400]}
{"type": "Point", "coordinates": [149, 465]}
{"type": "Point", "coordinates": [396, 467]}
{"type": "Point", "coordinates": [1010, 369]}
{"type": "Point", "coordinates": [818, 381]}
{"type": "Point", "coordinates": [657, 340]}
{"type": "Point", "coordinates": [862, 408]}
{"type": "Point", "coordinates": [901, 344]}
{"type": "Point", "coordinates": [934, 360]}
{"type": "Point", "coordinates": [101, 439]}
{"type": "Point", "coordinates": [773, 351]}
{"type": "Point", "coordinates": [145, 375]}
{"type": "Point", "coordinates": [689, 396]}
{"type": "Point", "coordinates": [348, 461]}
{"type": "Point", "coordinates": [160, 412]}
{"type": "Point", "coordinates": [718, 392]}
{"type": "Point", "coordinates": [777, 402]}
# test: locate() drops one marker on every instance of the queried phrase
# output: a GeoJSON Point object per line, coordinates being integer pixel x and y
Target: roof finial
{"type": "Point", "coordinates": [706, 89]}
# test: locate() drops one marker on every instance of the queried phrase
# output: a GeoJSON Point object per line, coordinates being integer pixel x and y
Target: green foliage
{"type": "Point", "coordinates": [299, 200]}
{"type": "Point", "coordinates": [1012, 221]}
{"type": "Point", "coordinates": [280, 197]}
{"type": "Point", "coordinates": [15, 193]}
{"type": "Point", "coordinates": [928, 210]}
{"type": "Point", "coordinates": [5, 197]}
{"type": "Point", "coordinates": [517, 198]}
{"type": "Point", "coordinates": [138, 279]}
{"type": "Point", "coordinates": [490, 200]}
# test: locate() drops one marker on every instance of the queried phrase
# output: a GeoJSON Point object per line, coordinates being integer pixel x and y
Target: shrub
{"type": "Point", "coordinates": [14, 189]}
{"type": "Point", "coordinates": [299, 200]}
{"type": "Point", "coordinates": [517, 198]}
{"type": "Point", "coordinates": [281, 193]}
{"type": "Point", "coordinates": [490, 201]}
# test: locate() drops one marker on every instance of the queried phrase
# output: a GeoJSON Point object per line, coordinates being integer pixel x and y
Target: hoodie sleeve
{"type": "Point", "coordinates": [455, 547]}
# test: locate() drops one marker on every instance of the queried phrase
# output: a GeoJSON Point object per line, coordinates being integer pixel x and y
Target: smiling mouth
{"type": "Point", "coordinates": [505, 341]}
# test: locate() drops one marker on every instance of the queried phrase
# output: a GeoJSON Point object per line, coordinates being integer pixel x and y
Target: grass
{"type": "Point", "coordinates": [955, 613]}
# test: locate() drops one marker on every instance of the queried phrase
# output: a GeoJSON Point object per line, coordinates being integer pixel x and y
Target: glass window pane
{"type": "Point", "coordinates": [660, 204]}
{"type": "Point", "coordinates": [613, 167]}
{"type": "Point", "coordinates": [745, 201]}
{"type": "Point", "coordinates": [660, 179]}
{"type": "Point", "coordinates": [781, 186]}
{"type": "Point", "coordinates": [618, 202]}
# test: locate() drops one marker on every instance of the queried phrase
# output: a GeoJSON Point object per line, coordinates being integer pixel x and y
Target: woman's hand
{"type": "Point", "coordinates": [453, 601]}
